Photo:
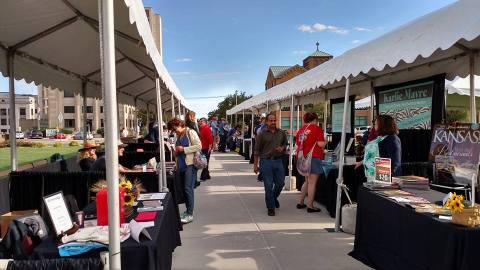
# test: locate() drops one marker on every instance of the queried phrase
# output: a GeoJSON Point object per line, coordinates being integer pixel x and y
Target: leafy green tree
{"type": "Point", "coordinates": [228, 103]}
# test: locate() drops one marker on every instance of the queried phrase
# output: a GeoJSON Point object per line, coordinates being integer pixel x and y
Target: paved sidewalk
{"type": "Point", "coordinates": [232, 230]}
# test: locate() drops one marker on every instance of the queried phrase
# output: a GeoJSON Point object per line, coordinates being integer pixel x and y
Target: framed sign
{"type": "Point", "coordinates": [455, 149]}
{"type": "Point", "coordinates": [58, 211]}
{"type": "Point", "coordinates": [383, 170]}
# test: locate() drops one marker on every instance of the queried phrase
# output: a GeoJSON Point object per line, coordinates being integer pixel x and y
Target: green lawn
{"type": "Point", "coordinates": [29, 154]}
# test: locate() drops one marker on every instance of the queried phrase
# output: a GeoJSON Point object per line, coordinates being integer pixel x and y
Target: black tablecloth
{"type": "Point", "coordinates": [391, 236]}
{"type": "Point", "coordinates": [27, 189]}
{"type": "Point", "coordinates": [149, 254]}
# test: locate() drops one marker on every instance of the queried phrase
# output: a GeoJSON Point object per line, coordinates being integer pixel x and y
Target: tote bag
{"type": "Point", "coordinates": [199, 160]}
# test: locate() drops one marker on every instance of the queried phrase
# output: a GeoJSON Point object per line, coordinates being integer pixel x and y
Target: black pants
{"type": "Point", "coordinates": [223, 143]}
{"type": "Point", "coordinates": [205, 175]}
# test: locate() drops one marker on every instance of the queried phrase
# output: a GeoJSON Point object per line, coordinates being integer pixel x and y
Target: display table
{"type": "Point", "coordinates": [392, 236]}
{"type": "Point", "coordinates": [149, 254]}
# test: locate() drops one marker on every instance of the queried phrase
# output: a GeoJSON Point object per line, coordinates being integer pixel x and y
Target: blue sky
{"type": "Point", "coordinates": [214, 47]}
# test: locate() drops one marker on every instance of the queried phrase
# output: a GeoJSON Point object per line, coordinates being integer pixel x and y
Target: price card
{"type": "Point", "coordinates": [383, 170]}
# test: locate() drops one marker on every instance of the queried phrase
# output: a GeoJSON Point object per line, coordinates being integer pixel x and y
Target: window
{"type": "Point", "coordinates": [3, 111]}
{"type": "Point", "coordinates": [23, 113]}
{"type": "Point", "coordinates": [31, 111]}
{"type": "Point", "coordinates": [286, 109]}
{"type": "Point", "coordinates": [3, 122]}
{"type": "Point", "coordinates": [89, 109]}
{"type": "Point", "coordinates": [69, 109]}
{"type": "Point", "coordinates": [68, 94]}
{"type": "Point", "coordinates": [36, 110]}
{"type": "Point", "coordinates": [3, 130]}
{"type": "Point", "coordinates": [101, 109]}
{"type": "Point", "coordinates": [101, 123]}
{"type": "Point", "coordinates": [361, 121]}
{"type": "Point", "coordinates": [69, 123]}
{"type": "Point", "coordinates": [286, 123]}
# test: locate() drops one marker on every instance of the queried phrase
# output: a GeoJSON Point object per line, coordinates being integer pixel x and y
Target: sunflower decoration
{"type": "Point", "coordinates": [131, 190]}
{"type": "Point", "coordinates": [455, 203]}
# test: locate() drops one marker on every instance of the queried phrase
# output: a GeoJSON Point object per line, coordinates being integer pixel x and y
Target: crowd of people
{"type": "Point", "coordinates": [202, 137]}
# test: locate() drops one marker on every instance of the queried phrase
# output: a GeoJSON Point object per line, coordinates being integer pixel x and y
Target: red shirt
{"type": "Point", "coordinates": [206, 137]}
{"type": "Point", "coordinates": [310, 134]}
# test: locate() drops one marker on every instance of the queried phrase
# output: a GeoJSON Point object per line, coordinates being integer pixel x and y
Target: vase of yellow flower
{"type": "Point", "coordinates": [461, 214]}
{"type": "Point", "coordinates": [130, 191]}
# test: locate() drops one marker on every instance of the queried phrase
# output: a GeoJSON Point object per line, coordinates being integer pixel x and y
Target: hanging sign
{"type": "Point", "coordinates": [410, 106]}
{"type": "Point", "coordinates": [383, 170]}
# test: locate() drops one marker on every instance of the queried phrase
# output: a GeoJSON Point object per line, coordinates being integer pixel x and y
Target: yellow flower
{"type": "Point", "coordinates": [125, 184]}
{"type": "Point", "coordinates": [128, 199]}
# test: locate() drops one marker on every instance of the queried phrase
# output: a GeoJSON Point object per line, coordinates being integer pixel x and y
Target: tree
{"type": "Point", "coordinates": [227, 104]}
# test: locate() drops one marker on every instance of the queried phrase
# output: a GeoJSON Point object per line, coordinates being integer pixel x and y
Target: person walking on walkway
{"type": "Point", "coordinates": [269, 150]}
{"type": "Point", "coordinates": [214, 126]}
{"type": "Point", "coordinates": [310, 137]}
{"type": "Point", "coordinates": [222, 133]}
{"type": "Point", "coordinates": [206, 137]}
{"type": "Point", "coordinates": [188, 143]}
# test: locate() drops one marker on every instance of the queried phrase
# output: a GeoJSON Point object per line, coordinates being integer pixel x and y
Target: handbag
{"type": "Point", "coordinates": [199, 160]}
{"type": "Point", "coordinates": [304, 163]}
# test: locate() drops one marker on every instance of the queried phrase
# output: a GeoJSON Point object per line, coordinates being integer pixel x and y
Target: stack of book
{"type": "Point", "coordinates": [412, 182]}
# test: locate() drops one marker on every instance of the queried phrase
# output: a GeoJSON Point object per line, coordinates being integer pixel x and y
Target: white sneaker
{"type": "Point", "coordinates": [186, 218]}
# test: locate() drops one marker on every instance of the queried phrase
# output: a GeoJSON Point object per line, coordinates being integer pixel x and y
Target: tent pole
{"type": "Point", "coordinates": [325, 112]}
{"type": "Point", "coordinates": [267, 108]}
{"type": "Point", "coordinates": [162, 177]}
{"type": "Point", "coordinates": [372, 102]}
{"type": "Point", "coordinates": [290, 158]}
{"type": "Point", "coordinates": [251, 133]}
{"type": "Point", "coordinates": [342, 157]}
{"type": "Point", "coordinates": [179, 109]}
{"type": "Point", "coordinates": [13, 112]}
{"type": "Point", "coordinates": [111, 131]}
{"type": "Point", "coordinates": [473, 109]}
{"type": "Point", "coordinates": [298, 115]}
{"type": "Point", "coordinates": [243, 130]}
{"type": "Point", "coordinates": [148, 117]}
{"type": "Point", "coordinates": [84, 94]}
{"type": "Point", "coordinates": [173, 106]}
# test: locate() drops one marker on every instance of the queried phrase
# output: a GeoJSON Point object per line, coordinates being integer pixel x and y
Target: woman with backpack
{"type": "Point", "coordinates": [188, 143]}
{"type": "Point", "coordinates": [310, 141]}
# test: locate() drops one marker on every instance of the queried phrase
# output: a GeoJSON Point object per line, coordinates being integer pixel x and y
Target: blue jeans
{"type": "Point", "coordinates": [273, 179]}
{"type": "Point", "coordinates": [190, 179]}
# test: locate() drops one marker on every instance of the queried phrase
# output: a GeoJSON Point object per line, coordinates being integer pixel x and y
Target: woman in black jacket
{"type": "Point", "coordinates": [390, 146]}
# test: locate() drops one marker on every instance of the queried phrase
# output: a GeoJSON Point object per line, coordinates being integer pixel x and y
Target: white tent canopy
{"type": "Point", "coordinates": [56, 43]}
{"type": "Point", "coordinates": [461, 86]}
{"type": "Point", "coordinates": [439, 42]}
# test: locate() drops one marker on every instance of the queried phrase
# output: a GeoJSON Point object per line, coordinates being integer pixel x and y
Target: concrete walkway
{"type": "Point", "coordinates": [231, 229]}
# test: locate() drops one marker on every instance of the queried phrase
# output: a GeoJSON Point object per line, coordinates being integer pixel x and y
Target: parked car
{"type": "Point", "coordinates": [36, 134]}
{"type": "Point", "coordinates": [59, 135]}
{"type": "Point", "coordinates": [19, 135]}
{"type": "Point", "coordinates": [79, 136]}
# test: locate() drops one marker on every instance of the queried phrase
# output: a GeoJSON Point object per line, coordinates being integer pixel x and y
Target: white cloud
{"type": "Point", "coordinates": [299, 52]}
{"type": "Point", "coordinates": [356, 41]}
{"type": "Point", "coordinates": [305, 28]}
{"type": "Point", "coordinates": [185, 59]}
{"type": "Point", "coordinates": [320, 27]}
{"type": "Point", "coordinates": [362, 29]}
